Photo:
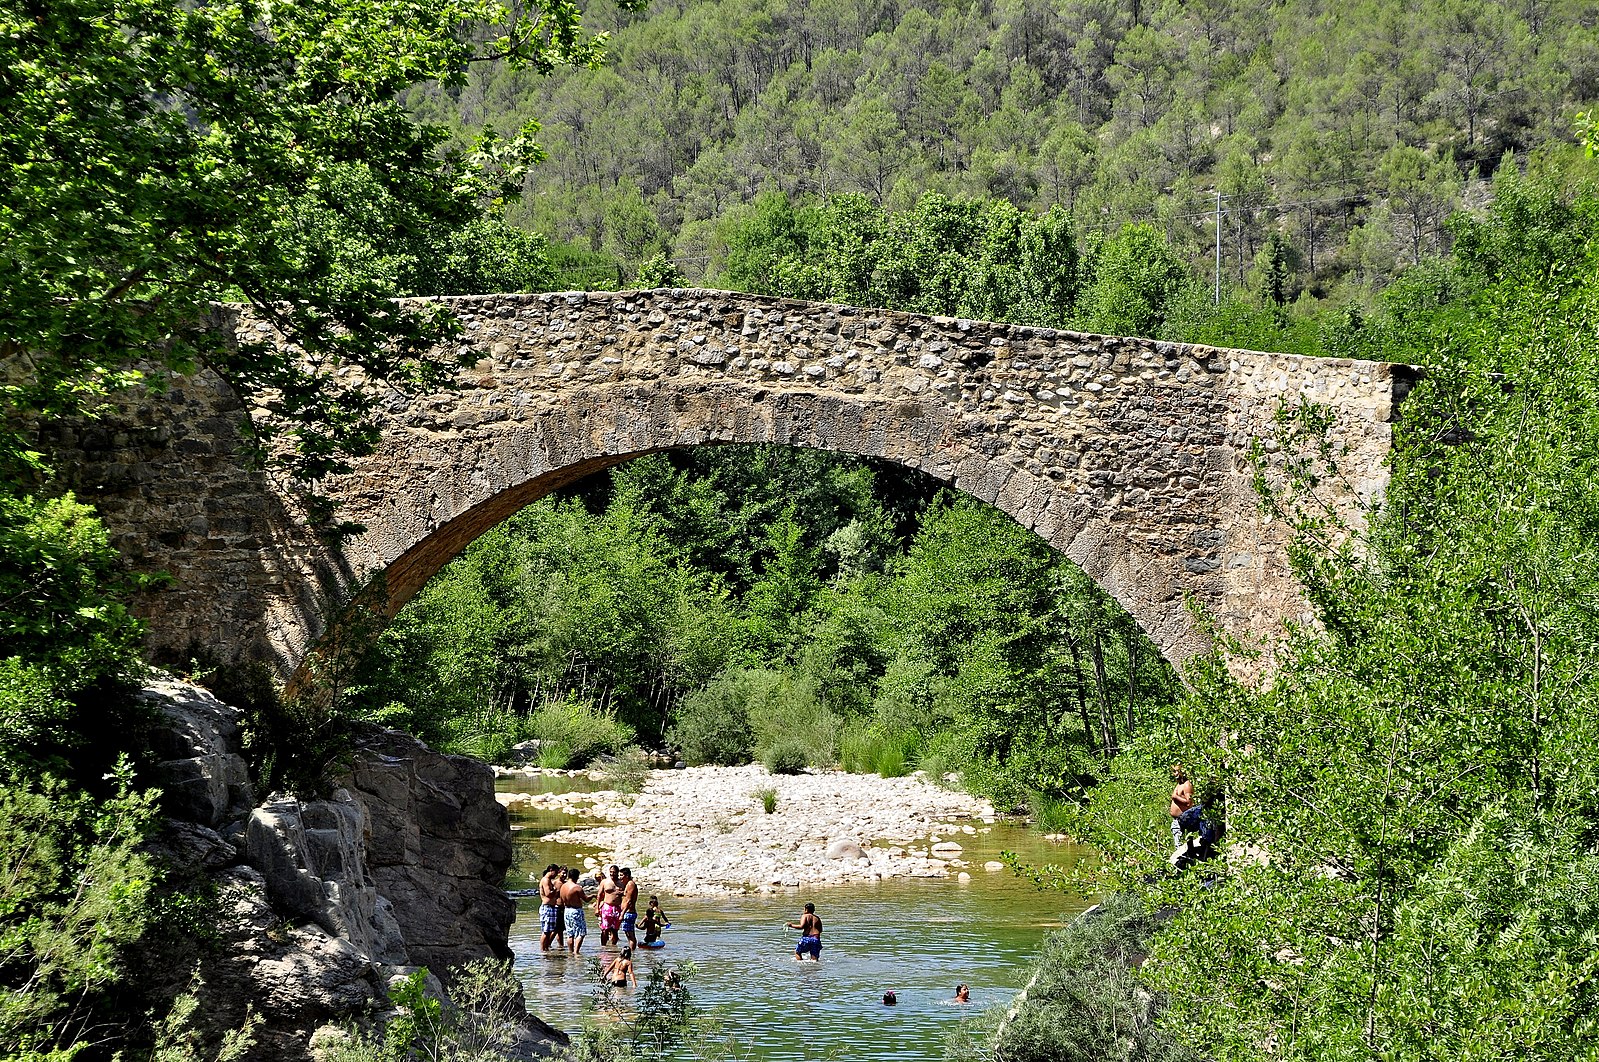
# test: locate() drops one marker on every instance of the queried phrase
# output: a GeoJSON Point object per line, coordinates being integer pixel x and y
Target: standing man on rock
{"type": "Point", "coordinates": [572, 901]}
{"type": "Point", "coordinates": [629, 906]}
{"type": "Point", "coordinates": [607, 909]}
{"type": "Point", "coordinates": [1182, 798]}
{"type": "Point", "coordinates": [810, 941]}
{"type": "Point", "coordinates": [550, 928]}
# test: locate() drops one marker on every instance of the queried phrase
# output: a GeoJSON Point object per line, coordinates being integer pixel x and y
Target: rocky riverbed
{"type": "Point", "coordinates": [704, 830]}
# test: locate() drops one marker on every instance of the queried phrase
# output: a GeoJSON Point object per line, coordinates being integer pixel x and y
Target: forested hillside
{"type": "Point", "coordinates": [1351, 129]}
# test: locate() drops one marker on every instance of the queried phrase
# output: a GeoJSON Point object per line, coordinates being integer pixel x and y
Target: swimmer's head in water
{"type": "Point", "coordinates": [889, 999]}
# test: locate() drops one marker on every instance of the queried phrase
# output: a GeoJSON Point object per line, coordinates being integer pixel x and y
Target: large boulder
{"type": "Point", "coordinates": [321, 902]}
{"type": "Point", "coordinates": [445, 847]}
{"type": "Point", "coordinates": [312, 859]}
{"type": "Point", "coordinates": [845, 848]}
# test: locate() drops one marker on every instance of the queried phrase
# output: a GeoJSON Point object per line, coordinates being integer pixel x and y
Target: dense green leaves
{"type": "Point", "coordinates": [157, 156]}
{"type": "Point", "coordinates": [1411, 799]}
{"type": "Point", "coordinates": [1350, 129]}
{"type": "Point", "coordinates": [741, 600]}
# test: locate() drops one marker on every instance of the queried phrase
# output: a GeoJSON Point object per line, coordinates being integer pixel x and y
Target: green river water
{"type": "Point", "coordinates": [917, 936]}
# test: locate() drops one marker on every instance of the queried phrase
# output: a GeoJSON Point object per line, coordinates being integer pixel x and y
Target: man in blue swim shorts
{"type": "Point", "coordinates": [572, 900]}
{"type": "Point", "coordinates": [629, 906]}
{"type": "Point", "coordinates": [550, 906]}
{"type": "Point", "coordinates": [810, 941]}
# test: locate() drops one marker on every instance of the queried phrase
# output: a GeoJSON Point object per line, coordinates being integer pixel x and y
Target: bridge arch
{"type": "Point", "coordinates": [1129, 456]}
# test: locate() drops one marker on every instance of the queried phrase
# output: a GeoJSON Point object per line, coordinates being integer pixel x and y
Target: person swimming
{"type": "Point", "coordinates": [963, 994]}
{"type": "Point", "coordinates": [889, 999]}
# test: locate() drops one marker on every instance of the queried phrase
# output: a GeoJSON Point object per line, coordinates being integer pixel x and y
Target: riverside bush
{"type": "Point", "coordinates": [786, 757]}
{"type": "Point", "coordinates": [713, 724]}
{"type": "Point", "coordinates": [582, 730]}
{"type": "Point", "coordinates": [1086, 1001]}
{"type": "Point", "coordinates": [868, 750]}
{"type": "Point", "coordinates": [486, 734]}
{"type": "Point", "coordinates": [628, 771]}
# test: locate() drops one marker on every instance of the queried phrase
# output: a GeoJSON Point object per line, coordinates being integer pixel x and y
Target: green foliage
{"type": "Point", "coordinates": [627, 771]}
{"type": "Point", "coordinates": [1113, 112]}
{"type": "Point", "coordinates": [177, 1039]}
{"type": "Point", "coordinates": [869, 750]}
{"type": "Point", "coordinates": [713, 724]}
{"type": "Point", "coordinates": [659, 272]}
{"type": "Point", "coordinates": [580, 730]}
{"type": "Point", "coordinates": [481, 1021]}
{"type": "Point", "coordinates": [1137, 281]}
{"type": "Point", "coordinates": [1086, 1001]}
{"type": "Point", "coordinates": [787, 756]}
{"type": "Point", "coordinates": [766, 796]}
{"type": "Point", "coordinates": [160, 157]}
{"type": "Point", "coordinates": [75, 891]}
{"type": "Point", "coordinates": [1416, 783]}
{"type": "Point", "coordinates": [663, 1023]}
{"type": "Point", "coordinates": [983, 259]}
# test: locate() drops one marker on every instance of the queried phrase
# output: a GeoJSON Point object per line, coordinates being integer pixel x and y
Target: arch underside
{"type": "Point", "coordinates": [487, 475]}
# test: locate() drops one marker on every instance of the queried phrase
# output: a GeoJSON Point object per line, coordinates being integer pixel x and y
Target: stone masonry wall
{"type": "Point", "coordinates": [1131, 456]}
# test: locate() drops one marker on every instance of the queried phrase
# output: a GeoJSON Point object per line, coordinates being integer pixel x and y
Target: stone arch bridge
{"type": "Point", "coordinates": [1130, 456]}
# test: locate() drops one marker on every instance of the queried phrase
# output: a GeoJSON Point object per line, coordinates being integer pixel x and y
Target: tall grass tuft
{"type": "Point", "coordinates": [487, 733]}
{"type": "Point", "coordinates": [870, 750]}
{"type": "Point", "coordinates": [583, 731]}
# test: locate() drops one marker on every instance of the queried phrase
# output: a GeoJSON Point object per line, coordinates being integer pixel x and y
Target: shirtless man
{"type": "Point", "coordinates": [550, 928]}
{"type": "Point", "coordinates": [572, 900]}
{"type": "Point", "coordinates": [629, 906]}
{"type": "Point", "coordinates": [607, 909]}
{"type": "Point", "coordinates": [810, 941]}
{"type": "Point", "coordinates": [1182, 798]}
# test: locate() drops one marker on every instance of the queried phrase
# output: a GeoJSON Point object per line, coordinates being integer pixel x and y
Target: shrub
{"type": "Point", "coordinates": [586, 732]}
{"type": "Point", "coordinates": [628, 771]}
{"type": "Point", "coordinates": [868, 750]}
{"type": "Point", "coordinates": [486, 734]}
{"type": "Point", "coordinates": [554, 755]}
{"type": "Point", "coordinates": [713, 724]}
{"type": "Point", "coordinates": [943, 754]}
{"type": "Point", "coordinates": [786, 757]}
{"type": "Point", "coordinates": [787, 709]}
{"type": "Point", "coordinates": [1087, 1001]}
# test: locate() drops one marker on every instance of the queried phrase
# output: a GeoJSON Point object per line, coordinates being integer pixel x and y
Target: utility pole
{"type": "Point", "coordinates": [1216, 301]}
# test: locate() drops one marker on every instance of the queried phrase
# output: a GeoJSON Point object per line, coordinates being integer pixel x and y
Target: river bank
{"type": "Point", "coordinates": [703, 831]}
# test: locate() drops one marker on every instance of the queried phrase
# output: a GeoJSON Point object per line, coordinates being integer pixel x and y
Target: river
{"type": "Point", "coordinates": [917, 936]}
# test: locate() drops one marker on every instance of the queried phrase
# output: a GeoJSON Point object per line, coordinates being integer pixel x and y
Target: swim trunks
{"type": "Point", "coordinates": [549, 918]}
{"type": "Point", "coordinates": [610, 917]}
{"type": "Point", "coordinates": [576, 924]}
{"type": "Point", "coordinates": [811, 946]}
{"type": "Point", "coordinates": [629, 921]}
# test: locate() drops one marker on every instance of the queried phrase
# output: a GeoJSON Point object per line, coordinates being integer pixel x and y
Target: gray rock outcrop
{"type": "Point", "coordinates": [321, 903]}
{"type": "Point", "coordinates": [440, 845]}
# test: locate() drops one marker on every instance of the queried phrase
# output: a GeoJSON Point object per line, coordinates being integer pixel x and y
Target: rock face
{"type": "Point", "coordinates": [440, 847]}
{"type": "Point", "coordinates": [321, 902]}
